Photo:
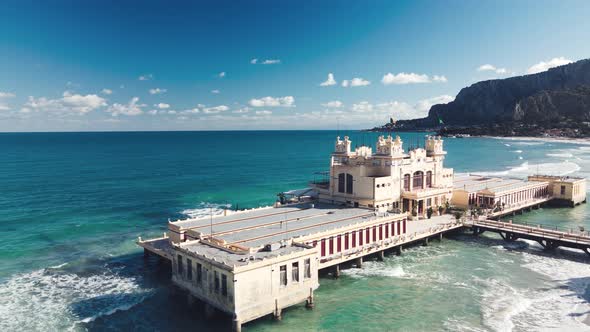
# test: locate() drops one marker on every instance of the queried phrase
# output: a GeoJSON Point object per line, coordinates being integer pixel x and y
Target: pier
{"type": "Point", "coordinates": [548, 237]}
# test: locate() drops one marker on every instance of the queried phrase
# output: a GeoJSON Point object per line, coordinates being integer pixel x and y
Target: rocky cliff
{"type": "Point", "coordinates": [559, 94]}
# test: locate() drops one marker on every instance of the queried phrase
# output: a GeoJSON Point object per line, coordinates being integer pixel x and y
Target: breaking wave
{"type": "Point", "coordinates": [525, 169]}
{"type": "Point", "coordinates": [206, 209]}
{"type": "Point", "coordinates": [46, 300]}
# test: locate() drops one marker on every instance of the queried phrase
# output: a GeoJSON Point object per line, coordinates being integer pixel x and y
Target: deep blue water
{"type": "Point", "coordinates": [72, 205]}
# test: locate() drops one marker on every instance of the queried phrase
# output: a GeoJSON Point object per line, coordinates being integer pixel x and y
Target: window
{"type": "Point", "coordinates": [563, 190]}
{"type": "Point", "coordinates": [179, 265]}
{"type": "Point", "coordinates": [341, 182]}
{"type": "Point", "coordinates": [418, 180]}
{"type": "Point", "coordinates": [348, 184]}
{"type": "Point", "coordinates": [199, 273]}
{"type": "Point", "coordinates": [223, 285]}
{"type": "Point", "coordinates": [189, 269]}
{"type": "Point", "coordinates": [428, 179]}
{"type": "Point", "coordinates": [295, 272]}
{"type": "Point", "coordinates": [307, 266]}
{"type": "Point", "coordinates": [407, 182]}
{"type": "Point", "coordinates": [216, 275]}
{"type": "Point", "coordinates": [283, 281]}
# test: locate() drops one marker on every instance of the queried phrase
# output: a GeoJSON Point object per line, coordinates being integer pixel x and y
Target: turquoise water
{"type": "Point", "coordinates": [73, 204]}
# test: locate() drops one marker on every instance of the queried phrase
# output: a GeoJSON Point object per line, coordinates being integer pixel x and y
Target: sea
{"type": "Point", "coordinates": [72, 206]}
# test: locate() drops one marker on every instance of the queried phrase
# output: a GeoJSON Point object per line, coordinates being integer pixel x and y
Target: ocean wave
{"type": "Point", "coordinates": [517, 151]}
{"type": "Point", "coordinates": [376, 269]}
{"type": "Point", "coordinates": [501, 303]}
{"type": "Point", "coordinates": [46, 300]}
{"type": "Point", "coordinates": [205, 209]}
{"type": "Point", "coordinates": [560, 155]}
{"type": "Point", "coordinates": [525, 169]}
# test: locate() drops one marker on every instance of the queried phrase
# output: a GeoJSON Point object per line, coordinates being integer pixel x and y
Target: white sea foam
{"type": "Point", "coordinates": [560, 155]}
{"type": "Point", "coordinates": [506, 144]}
{"type": "Point", "coordinates": [376, 269]}
{"type": "Point", "coordinates": [46, 300]}
{"type": "Point", "coordinates": [525, 169]}
{"type": "Point", "coordinates": [206, 209]}
{"type": "Point", "coordinates": [500, 304]}
{"type": "Point", "coordinates": [517, 151]}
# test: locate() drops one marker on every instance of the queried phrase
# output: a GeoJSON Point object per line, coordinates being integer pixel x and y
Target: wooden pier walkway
{"type": "Point", "coordinates": [549, 237]}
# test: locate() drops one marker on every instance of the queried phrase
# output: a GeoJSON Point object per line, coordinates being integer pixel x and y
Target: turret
{"type": "Point", "coordinates": [389, 147]}
{"type": "Point", "coordinates": [342, 146]}
{"type": "Point", "coordinates": [434, 146]}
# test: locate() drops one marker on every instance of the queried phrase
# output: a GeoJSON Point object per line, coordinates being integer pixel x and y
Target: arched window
{"type": "Point", "coordinates": [418, 180]}
{"type": "Point", "coordinates": [407, 182]}
{"type": "Point", "coordinates": [341, 183]}
{"type": "Point", "coordinates": [349, 183]}
{"type": "Point", "coordinates": [428, 179]}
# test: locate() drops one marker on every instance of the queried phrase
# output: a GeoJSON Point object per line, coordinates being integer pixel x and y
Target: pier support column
{"type": "Point", "coordinates": [426, 242]}
{"type": "Point", "coordinates": [440, 237]}
{"type": "Point", "coordinates": [278, 314]}
{"type": "Point", "coordinates": [309, 303]}
{"type": "Point", "coordinates": [399, 250]}
{"type": "Point", "coordinates": [358, 262]}
{"type": "Point", "coordinates": [146, 253]}
{"type": "Point", "coordinates": [336, 271]}
{"type": "Point", "coordinates": [381, 255]}
{"type": "Point", "coordinates": [236, 325]}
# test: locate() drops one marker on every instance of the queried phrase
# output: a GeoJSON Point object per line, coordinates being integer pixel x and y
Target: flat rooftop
{"type": "Point", "coordinates": [257, 228]}
{"type": "Point", "coordinates": [475, 183]}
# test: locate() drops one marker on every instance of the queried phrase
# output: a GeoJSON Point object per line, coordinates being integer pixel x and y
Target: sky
{"type": "Point", "coordinates": [272, 65]}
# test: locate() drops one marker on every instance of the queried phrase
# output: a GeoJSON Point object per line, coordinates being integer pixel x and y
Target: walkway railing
{"type": "Point", "coordinates": [548, 231]}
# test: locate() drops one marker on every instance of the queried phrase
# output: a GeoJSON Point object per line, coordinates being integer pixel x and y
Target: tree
{"type": "Point", "coordinates": [440, 210]}
{"type": "Point", "coordinates": [429, 212]}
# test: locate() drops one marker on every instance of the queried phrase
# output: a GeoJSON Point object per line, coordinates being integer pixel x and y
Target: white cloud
{"type": "Point", "coordinates": [145, 77]}
{"type": "Point", "coordinates": [255, 61]}
{"type": "Point", "coordinates": [543, 66]}
{"type": "Point", "coordinates": [423, 106]}
{"type": "Point", "coordinates": [153, 112]}
{"type": "Point", "coordinates": [333, 104]}
{"type": "Point", "coordinates": [408, 78]}
{"type": "Point", "coordinates": [263, 112]}
{"type": "Point", "coordinates": [191, 111]}
{"type": "Point", "coordinates": [157, 91]}
{"type": "Point", "coordinates": [106, 91]}
{"type": "Point", "coordinates": [6, 94]}
{"type": "Point", "coordinates": [362, 107]}
{"type": "Point", "coordinates": [216, 109]}
{"type": "Point", "coordinates": [221, 75]}
{"type": "Point", "coordinates": [68, 104]}
{"type": "Point", "coordinates": [489, 67]}
{"type": "Point", "coordinates": [242, 110]}
{"type": "Point", "coordinates": [357, 81]}
{"type": "Point", "coordinates": [330, 81]}
{"type": "Point", "coordinates": [215, 91]}
{"type": "Point", "coordinates": [162, 106]}
{"type": "Point", "coordinates": [441, 78]}
{"type": "Point", "coordinates": [287, 101]}
{"type": "Point", "coordinates": [3, 105]}
{"type": "Point", "coordinates": [131, 109]}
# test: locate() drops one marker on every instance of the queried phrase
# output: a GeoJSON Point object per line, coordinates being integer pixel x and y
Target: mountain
{"type": "Point", "coordinates": [552, 98]}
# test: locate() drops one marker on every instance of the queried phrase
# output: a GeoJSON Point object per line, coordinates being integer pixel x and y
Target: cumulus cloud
{"type": "Point", "coordinates": [69, 104]}
{"type": "Point", "coordinates": [106, 91]}
{"type": "Point", "coordinates": [330, 81]}
{"type": "Point", "coordinates": [145, 77]}
{"type": "Point", "coordinates": [3, 97]}
{"type": "Point", "coordinates": [287, 101]}
{"type": "Point", "coordinates": [215, 91]}
{"type": "Point", "coordinates": [157, 91]}
{"type": "Point", "coordinates": [398, 110]}
{"type": "Point", "coordinates": [489, 67]}
{"type": "Point", "coordinates": [423, 106]}
{"type": "Point", "coordinates": [265, 62]}
{"type": "Point", "coordinates": [241, 110]}
{"type": "Point", "coordinates": [215, 110]}
{"type": "Point", "coordinates": [411, 78]}
{"type": "Point", "coordinates": [263, 112]}
{"type": "Point", "coordinates": [221, 75]}
{"type": "Point", "coordinates": [357, 81]}
{"type": "Point", "coordinates": [131, 109]}
{"type": "Point", "coordinates": [162, 105]}
{"type": "Point", "coordinates": [333, 104]}
{"type": "Point", "coordinates": [543, 66]}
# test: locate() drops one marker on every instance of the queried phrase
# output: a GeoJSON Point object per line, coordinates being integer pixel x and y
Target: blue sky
{"type": "Point", "coordinates": [150, 65]}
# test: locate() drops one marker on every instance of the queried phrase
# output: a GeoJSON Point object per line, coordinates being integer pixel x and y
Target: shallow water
{"type": "Point", "coordinates": [73, 205]}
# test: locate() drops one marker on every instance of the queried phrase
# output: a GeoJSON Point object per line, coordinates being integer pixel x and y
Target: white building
{"type": "Point", "coordinates": [389, 179]}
